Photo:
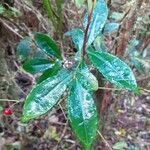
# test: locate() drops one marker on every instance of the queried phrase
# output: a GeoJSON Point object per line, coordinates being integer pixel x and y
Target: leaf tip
{"type": "Point", "coordinates": [25, 119]}
{"type": "Point", "coordinates": [137, 90]}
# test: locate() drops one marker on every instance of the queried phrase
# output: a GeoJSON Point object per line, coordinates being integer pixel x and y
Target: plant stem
{"type": "Point", "coordinates": [48, 7]}
{"type": "Point", "coordinates": [112, 89]}
{"type": "Point", "coordinates": [145, 90]}
{"type": "Point", "coordinates": [108, 145]}
{"type": "Point", "coordinates": [86, 31]}
{"type": "Point", "coordinates": [60, 17]}
{"type": "Point", "coordinates": [9, 100]}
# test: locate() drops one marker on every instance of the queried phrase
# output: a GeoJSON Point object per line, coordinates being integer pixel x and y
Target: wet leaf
{"type": "Point", "coordinates": [49, 72]}
{"type": "Point", "coordinates": [82, 114]}
{"type": "Point", "coordinates": [86, 78]}
{"type": "Point", "coordinates": [45, 95]}
{"type": "Point", "coordinates": [37, 65]}
{"type": "Point", "coordinates": [47, 44]}
{"type": "Point", "coordinates": [77, 36]}
{"type": "Point", "coordinates": [113, 69]}
{"type": "Point", "coordinates": [99, 17]}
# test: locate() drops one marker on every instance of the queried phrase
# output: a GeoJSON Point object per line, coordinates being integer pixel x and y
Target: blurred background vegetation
{"type": "Point", "coordinates": [125, 122]}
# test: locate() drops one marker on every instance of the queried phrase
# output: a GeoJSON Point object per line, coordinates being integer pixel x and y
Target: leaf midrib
{"type": "Point", "coordinates": [82, 111]}
{"type": "Point", "coordinates": [108, 66]}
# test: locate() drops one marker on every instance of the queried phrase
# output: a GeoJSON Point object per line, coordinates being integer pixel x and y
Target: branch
{"type": "Point", "coordinates": [86, 31]}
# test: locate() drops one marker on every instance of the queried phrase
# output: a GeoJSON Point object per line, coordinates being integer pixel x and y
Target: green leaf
{"type": "Point", "coordinates": [117, 16]}
{"type": "Point", "coordinates": [120, 145]}
{"type": "Point", "coordinates": [134, 42]}
{"type": "Point", "coordinates": [133, 147]}
{"type": "Point", "coordinates": [79, 3]}
{"type": "Point", "coordinates": [2, 9]}
{"type": "Point", "coordinates": [1, 108]}
{"type": "Point", "coordinates": [59, 5]}
{"type": "Point", "coordinates": [82, 114]}
{"type": "Point", "coordinates": [99, 43]}
{"type": "Point", "coordinates": [111, 27]}
{"type": "Point", "coordinates": [48, 7]}
{"type": "Point", "coordinates": [15, 11]}
{"type": "Point", "coordinates": [77, 36]}
{"type": "Point", "coordinates": [24, 48]}
{"type": "Point", "coordinates": [113, 69]}
{"type": "Point", "coordinates": [86, 78]}
{"type": "Point", "coordinates": [37, 65]}
{"type": "Point", "coordinates": [99, 17]}
{"type": "Point", "coordinates": [49, 72]}
{"type": "Point", "coordinates": [139, 66]}
{"type": "Point", "coordinates": [39, 54]}
{"type": "Point", "coordinates": [45, 95]}
{"type": "Point", "coordinates": [45, 43]}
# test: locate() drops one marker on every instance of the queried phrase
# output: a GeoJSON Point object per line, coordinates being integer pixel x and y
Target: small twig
{"type": "Point", "coordinates": [108, 145]}
{"type": "Point", "coordinates": [70, 141]}
{"type": "Point", "coordinates": [62, 52]}
{"type": "Point", "coordinates": [62, 135]}
{"type": "Point", "coordinates": [65, 128]}
{"type": "Point", "coordinates": [9, 100]}
{"type": "Point", "coordinates": [15, 24]}
{"type": "Point", "coordinates": [77, 12]}
{"type": "Point", "coordinates": [145, 90]}
{"type": "Point", "coordinates": [10, 28]}
{"type": "Point", "coordinates": [113, 89]}
{"type": "Point", "coordinates": [62, 111]}
{"type": "Point", "coordinates": [57, 123]}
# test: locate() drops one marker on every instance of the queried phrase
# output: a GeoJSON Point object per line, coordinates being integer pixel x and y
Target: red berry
{"type": "Point", "coordinates": [8, 111]}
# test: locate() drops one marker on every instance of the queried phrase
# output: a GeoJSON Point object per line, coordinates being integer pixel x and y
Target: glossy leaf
{"type": "Point", "coordinates": [37, 65]}
{"type": "Point", "coordinates": [82, 114]}
{"type": "Point", "coordinates": [99, 17]}
{"type": "Point", "coordinates": [77, 36]}
{"type": "Point", "coordinates": [86, 78]}
{"type": "Point", "coordinates": [39, 54]}
{"type": "Point", "coordinates": [45, 95]}
{"type": "Point", "coordinates": [49, 72]}
{"type": "Point", "coordinates": [111, 27]}
{"type": "Point", "coordinates": [113, 69]}
{"type": "Point", "coordinates": [24, 48]}
{"type": "Point", "coordinates": [45, 43]}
